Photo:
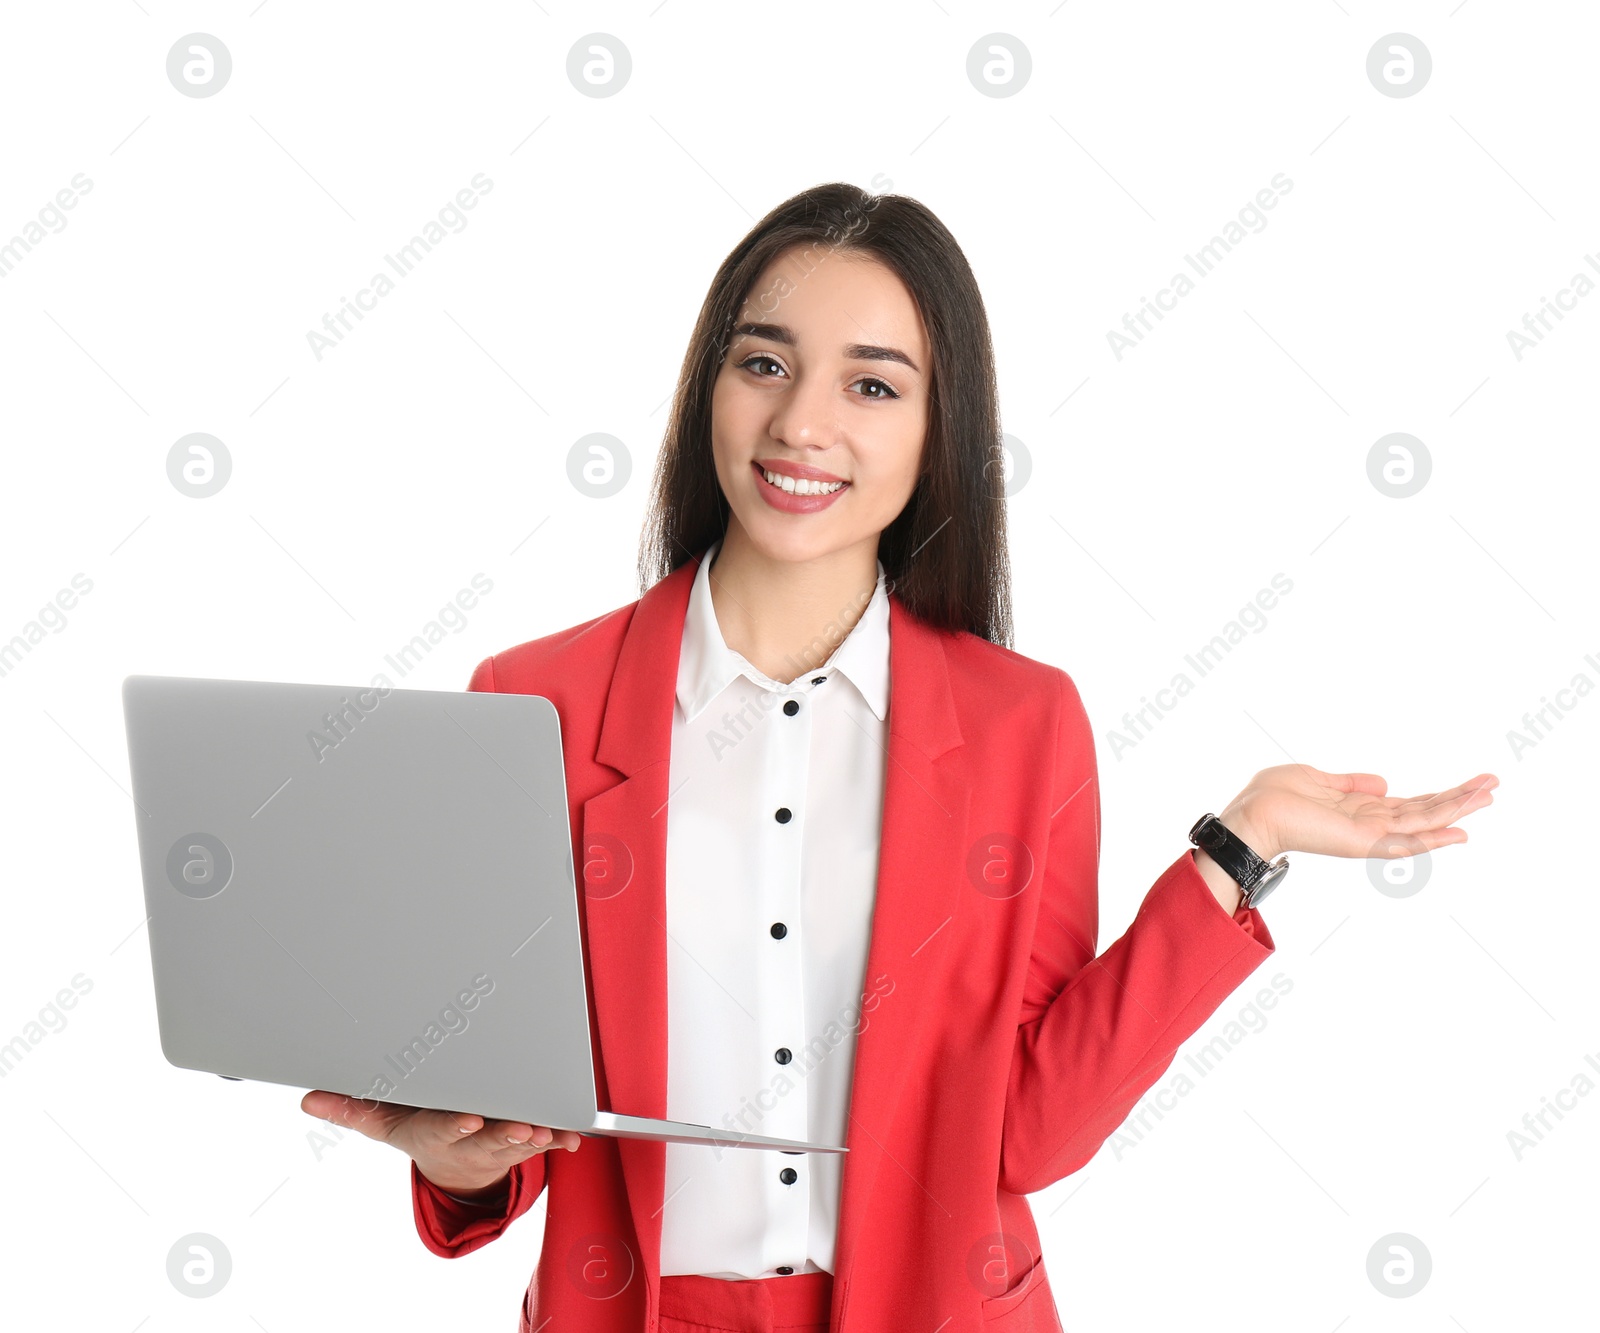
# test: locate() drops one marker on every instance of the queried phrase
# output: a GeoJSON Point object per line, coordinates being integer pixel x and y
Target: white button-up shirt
{"type": "Point", "coordinates": [773, 822]}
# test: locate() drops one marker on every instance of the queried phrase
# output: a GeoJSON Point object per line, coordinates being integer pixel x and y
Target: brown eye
{"type": "Point", "coordinates": [759, 356]}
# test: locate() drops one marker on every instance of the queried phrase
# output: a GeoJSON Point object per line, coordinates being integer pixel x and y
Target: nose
{"type": "Point", "coordinates": [806, 416]}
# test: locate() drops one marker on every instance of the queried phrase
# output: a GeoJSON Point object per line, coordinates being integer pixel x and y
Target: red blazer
{"type": "Point", "coordinates": [999, 1052]}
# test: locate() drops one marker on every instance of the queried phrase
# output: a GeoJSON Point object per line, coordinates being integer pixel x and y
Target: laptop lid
{"type": "Point", "coordinates": [368, 890]}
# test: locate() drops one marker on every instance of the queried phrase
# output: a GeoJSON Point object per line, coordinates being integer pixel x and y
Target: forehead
{"type": "Point", "coordinates": [829, 298]}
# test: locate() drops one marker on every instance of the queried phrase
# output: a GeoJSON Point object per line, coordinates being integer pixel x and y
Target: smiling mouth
{"type": "Point", "coordinates": [796, 486]}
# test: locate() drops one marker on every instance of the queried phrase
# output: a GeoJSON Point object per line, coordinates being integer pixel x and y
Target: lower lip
{"type": "Point", "coordinates": [779, 498]}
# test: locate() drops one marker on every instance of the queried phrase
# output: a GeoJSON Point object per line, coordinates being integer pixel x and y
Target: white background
{"type": "Point", "coordinates": [1168, 488]}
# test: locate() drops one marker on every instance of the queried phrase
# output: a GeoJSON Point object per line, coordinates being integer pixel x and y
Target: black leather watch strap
{"type": "Point", "coordinates": [1231, 853]}
{"type": "Point", "coordinates": [1256, 878]}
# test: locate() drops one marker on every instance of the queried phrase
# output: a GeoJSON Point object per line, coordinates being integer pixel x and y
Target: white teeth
{"type": "Point", "coordinates": [801, 487]}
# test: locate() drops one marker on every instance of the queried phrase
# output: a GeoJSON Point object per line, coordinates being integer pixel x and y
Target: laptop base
{"type": "Point", "coordinates": [608, 1125]}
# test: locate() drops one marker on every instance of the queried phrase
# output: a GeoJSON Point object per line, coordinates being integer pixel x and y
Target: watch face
{"type": "Point", "coordinates": [1268, 882]}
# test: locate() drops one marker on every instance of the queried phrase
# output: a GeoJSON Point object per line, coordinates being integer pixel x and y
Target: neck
{"type": "Point", "coordinates": [786, 617]}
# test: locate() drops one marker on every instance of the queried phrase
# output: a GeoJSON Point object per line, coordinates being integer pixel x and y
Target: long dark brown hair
{"type": "Point", "coordinates": [944, 555]}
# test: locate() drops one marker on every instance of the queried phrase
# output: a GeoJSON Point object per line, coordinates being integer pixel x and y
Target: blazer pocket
{"type": "Point", "coordinates": [1027, 1307]}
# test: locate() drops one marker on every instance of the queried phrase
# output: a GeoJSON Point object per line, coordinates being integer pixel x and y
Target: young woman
{"type": "Point", "coordinates": [841, 844]}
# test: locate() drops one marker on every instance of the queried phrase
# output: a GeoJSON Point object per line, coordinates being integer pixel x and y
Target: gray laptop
{"type": "Point", "coordinates": [373, 895]}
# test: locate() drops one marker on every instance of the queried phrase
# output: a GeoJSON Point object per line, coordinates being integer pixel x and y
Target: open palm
{"type": "Point", "coordinates": [1295, 807]}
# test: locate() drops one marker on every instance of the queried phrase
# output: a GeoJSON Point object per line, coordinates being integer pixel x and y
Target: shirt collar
{"type": "Point", "coordinates": [706, 665]}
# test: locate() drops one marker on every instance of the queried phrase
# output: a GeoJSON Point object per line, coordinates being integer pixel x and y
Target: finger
{"type": "Point", "coordinates": [1440, 808]}
{"type": "Point", "coordinates": [376, 1119]}
{"type": "Point", "coordinates": [512, 1136]}
{"type": "Point", "coordinates": [438, 1128]}
{"type": "Point", "coordinates": [1471, 798]}
{"type": "Point", "coordinates": [1449, 806]}
{"type": "Point", "coordinates": [1399, 803]}
{"type": "Point", "coordinates": [1369, 784]}
{"type": "Point", "coordinates": [1427, 840]}
{"type": "Point", "coordinates": [500, 1152]}
{"type": "Point", "coordinates": [511, 1133]}
{"type": "Point", "coordinates": [322, 1104]}
{"type": "Point", "coordinates": [1483, 782]}
{"type": "Point", "coordinates": [350, 1112]}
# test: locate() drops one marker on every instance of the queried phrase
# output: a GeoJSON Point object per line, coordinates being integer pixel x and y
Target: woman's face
{"type": "Point", "coordinates": [825, 380]}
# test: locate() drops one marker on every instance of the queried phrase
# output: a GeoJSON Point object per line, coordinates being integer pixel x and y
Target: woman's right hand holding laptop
{"type": "Point", "coordinates": [459, 1152]}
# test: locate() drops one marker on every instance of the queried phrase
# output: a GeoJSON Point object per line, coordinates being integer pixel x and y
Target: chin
{"type": "Point", "coordinates": [797, 548]}
{"type": "Point", "coordinates": [793, 538]}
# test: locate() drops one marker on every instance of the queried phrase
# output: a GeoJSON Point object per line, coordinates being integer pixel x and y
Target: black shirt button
{"type": "Point", "coordinates": [779, 930]}
{"type": "Point", "coordinates": [785, 1269]}
{"type": "Point", "coordinates": [782, 1055]}
{"type": "Point", "coordinates": [817, 680]}
{"type": "Point", "coordinates": [788, 1175]}
{"type": "Point", "coordinates": [791, 708]}
{"type": "Point", "coordinates": [784, 814]}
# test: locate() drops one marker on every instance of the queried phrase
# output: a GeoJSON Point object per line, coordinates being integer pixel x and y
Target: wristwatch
{"type": "Point", "coordinates": [1257, 878]}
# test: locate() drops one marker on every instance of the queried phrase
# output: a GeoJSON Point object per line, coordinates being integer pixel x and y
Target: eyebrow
{"type": "Point", "coordinates": [780, 333]}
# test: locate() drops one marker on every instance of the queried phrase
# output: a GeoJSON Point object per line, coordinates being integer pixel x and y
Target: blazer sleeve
{"type": "Point", "coordinates": [448, 1226]}
{"type": "Point", "coordinates": [1095, 1033]}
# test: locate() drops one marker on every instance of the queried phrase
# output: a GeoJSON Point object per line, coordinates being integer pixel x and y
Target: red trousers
{"type": "Point", "coordinates": [796, 1303]}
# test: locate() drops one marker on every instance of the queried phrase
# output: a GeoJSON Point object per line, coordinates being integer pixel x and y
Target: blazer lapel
{"type": "Point", "coordinates": [624, 856]}
{"type": "Point", "coordinates": [624, 879]}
